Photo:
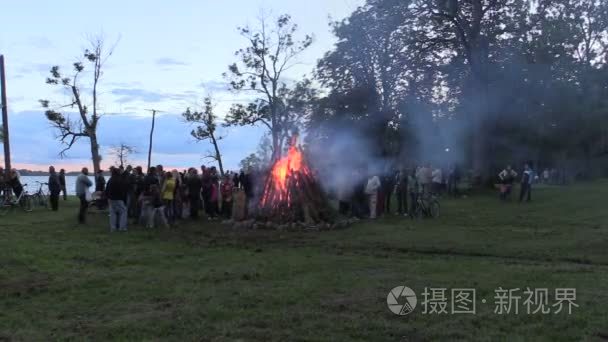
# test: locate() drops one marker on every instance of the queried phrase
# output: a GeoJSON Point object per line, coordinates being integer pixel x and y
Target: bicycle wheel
{"type": "Point", "coordinates": [44, 201]}
{"type": "Point", "coordinates": [26, 203]}
{"type": "Point", "coordinates": [434, 209]}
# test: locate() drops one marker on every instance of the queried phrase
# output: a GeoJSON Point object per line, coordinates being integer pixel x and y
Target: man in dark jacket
{"type": "Point", "coordinates": [129, 179]}
{"type": "Point", "coordinates": [151, 179]}
{"type": "Point", "coordinates": [54, 188]}
{"type": "Point", "coordinates": [62, 183]}
{"type": "Point", "coordinates": [526, 183]}
{"type": "Point", "coordinates": [401, 192]}
{"type": "Point", "coordinates": [116, 193]}
{"type": "Point", "coordinates": [194, 185]}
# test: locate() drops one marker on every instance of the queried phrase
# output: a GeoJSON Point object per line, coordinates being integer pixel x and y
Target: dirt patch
{"type": "Point", "coordinates": [31, 284]}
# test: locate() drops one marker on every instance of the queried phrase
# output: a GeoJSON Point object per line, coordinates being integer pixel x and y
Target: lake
{"type": "Point", "coordinates": [70, 183]}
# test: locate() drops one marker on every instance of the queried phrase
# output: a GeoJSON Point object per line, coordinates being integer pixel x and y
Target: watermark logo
{"type": "Point", "coordinates": [401, 300]}
{"type": "Point", "coordinates": [440, 300]}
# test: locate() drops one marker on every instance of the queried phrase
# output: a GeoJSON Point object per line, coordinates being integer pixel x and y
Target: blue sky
{"type": "Point", "coordinates": [169, 55]}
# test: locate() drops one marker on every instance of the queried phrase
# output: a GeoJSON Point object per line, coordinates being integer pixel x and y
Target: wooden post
{"type": "Point", "coordinates": [151, 135]}
{"type": "Point", "coordinates": [6, 142]}
{"type": "Point", "coordinates": [154, 111]}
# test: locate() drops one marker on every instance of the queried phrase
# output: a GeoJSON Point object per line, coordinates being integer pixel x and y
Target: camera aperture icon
{"type": "Point", "coordinates": [401, 300]}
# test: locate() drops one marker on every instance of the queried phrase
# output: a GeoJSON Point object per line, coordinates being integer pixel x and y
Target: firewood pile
{"type": "Point", "coordinates": [292, 199]}
{"type": "Point", "coordinates": [291, 193]}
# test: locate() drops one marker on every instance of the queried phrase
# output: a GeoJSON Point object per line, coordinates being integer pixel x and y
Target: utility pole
{"type": "Point", "coordinates": [154, 111]}
{"type": "Point", "coordinates": [5, 143]}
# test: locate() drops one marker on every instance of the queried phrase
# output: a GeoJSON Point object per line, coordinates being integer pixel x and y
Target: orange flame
{"type": "Point", "coordinates": [277, 190]}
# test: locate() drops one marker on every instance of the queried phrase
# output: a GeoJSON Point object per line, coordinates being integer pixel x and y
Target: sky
{"type": "Point", "coordinates": [168, 55]}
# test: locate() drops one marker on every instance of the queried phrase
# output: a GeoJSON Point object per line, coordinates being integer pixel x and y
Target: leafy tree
{"type": "Point", "coordinates": [206, 129]}
{"type": "Point", "coordinates": [271, 50]}
{"type": "Point", "coordinates": [85, 125]}
{"type": "Point", "coordinates": [252, 161]}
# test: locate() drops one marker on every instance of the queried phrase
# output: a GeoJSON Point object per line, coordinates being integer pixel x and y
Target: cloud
{"type": "Point", "coordinates": [168, 61]}
{"type": "Point", "coordinates": [133, 94]}
{"type": "Point", "coordinates": [215, 86]}
{"type": "Point", "coordinates": [41, 68]}
{"type": "Point", "coordinates": [40, 42]}
{"type": "Point", "coordinates": [128, 95]}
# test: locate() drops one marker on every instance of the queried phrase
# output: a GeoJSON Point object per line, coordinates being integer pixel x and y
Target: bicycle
{"type": "Point", "coordinates": [40, 197]}
{"type": "Point", "coordinates": [24, 202]}
{"type": "Point", "coordinates": [427, 205]}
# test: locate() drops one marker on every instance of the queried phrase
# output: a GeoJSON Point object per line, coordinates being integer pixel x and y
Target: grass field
{"type": "Point", "coordinates": [202, 281]}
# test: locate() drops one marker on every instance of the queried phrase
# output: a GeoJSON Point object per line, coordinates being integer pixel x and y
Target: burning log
{"type": "Point", "coordinates": [291, 193]}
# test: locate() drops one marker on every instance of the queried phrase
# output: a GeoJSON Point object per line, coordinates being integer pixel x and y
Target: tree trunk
{"type": "Point", "coordinates": [276, 148]}
{"type": "Point", "coordinates": [95, 154]}
{"type": "Point", "coordinates": [218, 156]}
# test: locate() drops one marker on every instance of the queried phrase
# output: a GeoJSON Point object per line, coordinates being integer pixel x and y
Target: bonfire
{"type": "Point", "coordinates": [291, 193]}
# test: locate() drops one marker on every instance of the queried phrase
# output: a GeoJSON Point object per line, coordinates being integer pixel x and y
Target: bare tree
{"type": "Point", "coordinates": [86, 123]}
{"type": "Point", "coordinates": [206, 129]}
{"type": "Point", "coordinates": [121, 153]}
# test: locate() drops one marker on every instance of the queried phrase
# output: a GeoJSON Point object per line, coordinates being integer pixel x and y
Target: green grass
{"type": "Point", "coordinates": [61, 281]}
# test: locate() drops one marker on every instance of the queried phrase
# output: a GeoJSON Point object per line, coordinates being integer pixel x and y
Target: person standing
{"type": "Point", "coordinates": [14, 182]}
{"type": "Point", "coordinates": [54, 188]}
{"type": "Point", "coordinates": [226, 191]}
{"type": "Point", "coordinates": [62, 184]}
{"type": "Point", "coordinates": [546, 176]}
{"type": "Point", "coordinates": [526, 184]}
{"type": "Point", "coordinates": [401, 181]}
{"type": "Point", "coordinates": [206, 190]}
{"type": "Point", "coordinates": [116, 193]}
{"type": "Point", "coordinates": [83, 183]}
{"type": "Point", "coordinates": [414, 188]}
{"type": "Point", "coordinates": [194, 185]}
{"type": "Point", "coordinates": [168, 196]}
{"type": "Point", "coordinates": [157, 208]}
{"type": "Point", "coordinates": [507, 177]}
{"type": "Point", "coordinates": [371, 190]}
{"type": "Point", "coordinates": [388, 184]}
{"type": "Point", "coordinates": [138, 178]}
{"type": "Point", "coordinates": [437, 179]}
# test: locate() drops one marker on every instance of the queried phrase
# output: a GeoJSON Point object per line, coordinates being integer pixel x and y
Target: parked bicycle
{"type": "Point", "coordinates": [41, 197]}
{"type": "Point", "coordinates": [427, 205]}
{"type": "Point", "coordinates": [9, 202]}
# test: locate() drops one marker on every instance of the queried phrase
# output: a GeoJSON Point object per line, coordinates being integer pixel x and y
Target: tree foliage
{"type": "Point", "coordinates": [271, 50]}
{"type": "Point", "coordinates": [206, 129]}
{"type": "Point", "coordinates": [509, 78]}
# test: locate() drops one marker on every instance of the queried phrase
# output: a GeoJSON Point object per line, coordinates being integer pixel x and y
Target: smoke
{"type": "Point", "coordinates": [345, 158]}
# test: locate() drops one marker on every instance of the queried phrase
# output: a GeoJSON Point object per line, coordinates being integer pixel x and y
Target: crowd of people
{"type": "Point", "coordinates": [160, 196]}
{"type": "Point", "coordinates": [372, 193]}
{"type": "Point", "coordinates": [169, 196]}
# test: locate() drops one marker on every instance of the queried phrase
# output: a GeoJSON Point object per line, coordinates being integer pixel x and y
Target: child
{"type": "Point", "coordinates": [157, 207]}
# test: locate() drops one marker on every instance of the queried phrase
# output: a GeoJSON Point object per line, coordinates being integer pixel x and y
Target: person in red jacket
{"type": "Point", "coordinates": [226, 191]}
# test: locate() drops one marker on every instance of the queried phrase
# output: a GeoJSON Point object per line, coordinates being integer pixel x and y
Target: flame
{"type": "Point", "coordinates": [283, 172]}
